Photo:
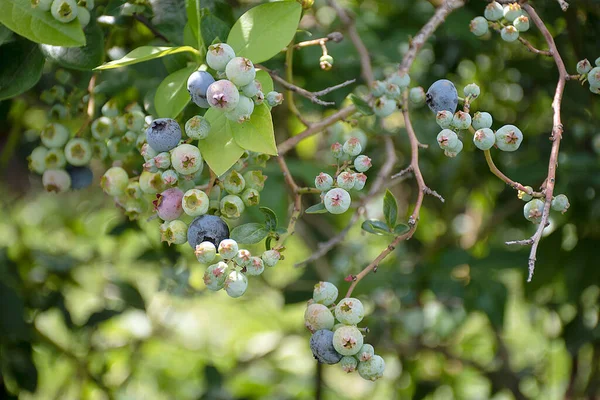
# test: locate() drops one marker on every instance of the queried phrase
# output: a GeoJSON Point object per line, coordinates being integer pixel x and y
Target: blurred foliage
{"type": "Point", "coordinates": [95, 307]}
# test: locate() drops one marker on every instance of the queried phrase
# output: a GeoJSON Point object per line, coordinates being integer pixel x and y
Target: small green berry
{"type": "Point", "coordinates": [114, 181]}
{"type": "Point", "coordinates": [349, 364]}
{"type": "Point", "coordinates": [345, 180]}
{"type": "Point", "coordinates": [250, 197]}
{"type": "Point", "coordinates": [206, 252]}
{"type": "Point", "coordinates": [493, 11]}
{"type": "Point", "coordinates": [479, 26]}
{"type": "Point", "coordinates": [228, 249]}
{"type": "Point", "coordinates": [349, 311]}
{"type": "Point", "coordinates": [215, 275]}
{"type": "Point", "coordinates": [232, 206]}
{"type": "Point", "coordinates": [255, 267]}
{"type": "Point", "coordinates": [560, 203]}
{"type": "Point", "coordinates": [55, 159]}
{"type": "Point", "coordinates": [509, 138]}
{"type": "Point", "coordinates": [509, 33]}
{"type": "Point", "coordinates": [195, 202]}
{"type": "Point", "coordinates": [521, 23]}
{"type": "Point", "coordinates": [271, 257]}
{"type": "Point", "coordinates": [525, 196]}
{"type": "Point", "coordinates": [64, 10]}
{"type": "Point", "coordinates": [175, 232]}
{"type": "Point", "coordinates": [102, 128]}
{"type": "Point", "coordinates": [594, 77]}
{"type": "Point", "coordinates": [365, 353]}
{"type": "Point", "coordinates": [326, 62]}
{"type": "Point", "coordinates": [360, 180]}
{"type": "Point", "coordinates": [384, 106]}
{"type": "Point", "coordinates": [325, 293]}
{"type": "Point", "coordinates": [371, 369]}
{"type": "Point", "coordinates": [484, 139]}
{"type": "Point", "coordinates": [56, 180]}
{"type": "Point", "coordinates": [444, 119]}
{"type": "Point", "coordinates": [512, 11]}
{"type": "Point", "coordinates": [318, 316]}
{"type": "Point", "coordinates": [337, 201]}
{"type": "Point", "coordinates": [533, 210]}
{"type": "Point", "coordinates": [54, 135]}
{"type": "Point", "coordinates": [472, 90]}
{"type": "Point", "coordinates": [78, 152]}
{"type": "Point", "coordinates": [347, 340]}
{"type": "Point", "coordinates": [453, 151]}
{"type": "Point", "coordinates": [234, 182]}
{"type": "Point", "coordinates": [417, 96]}
{"type": "Point", "coordinates": [482, 120]}
{"type": "Point", "coordinates": [37, 159]}
{"type": "Point", "coordinates": [461, 120]}
{"type": "Point", "coordinates": [323, 181]}
{"type": "Point", "coordinates": [401, 79]}
{"type": "Point", "coordinates": [447, 139]}
{"type": "Point", "coordinates": [378, 88]}
{"type": "Point", "coordinates": [254, 180]}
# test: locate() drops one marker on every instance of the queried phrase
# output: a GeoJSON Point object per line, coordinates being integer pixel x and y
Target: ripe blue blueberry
{"type": "Point", "coordinates": [240, 71]}
{"type": "Point", "coordinates": [560, 203]}
{"type": "Point", "coordinates": [442, 95]}
{"type": "Point", "coordinates": [484, 138]}
{"type": "Point", "coordinates": [479, 26]}
{"type": "Point", "coordinates": [207, 228]}
{"type": "Point", "coordinates": [493, 11]}
{"type": "Point", "coordinates": [219, 55]}
{"type": "Point", "coordinates": [223, 95]}
{"type": "Point", "coordinates": [509, 33]}
{"type": "Point", "coordinates": [163, 134]}
{"type": "Point", "coordinates": [509, 138]}
{"type": "Point", "coordinates": [197, 84]}
{"type": "Point", "coordinates": [321, 345]}
{"type": "Point", "coordinates": [447, 139]}
{"type": "Point", "coordinates": [532, 211]}
{"type": "Point", "coordinates": [481, 120]}
{"type": "Point", "coordinates": [347, 340]}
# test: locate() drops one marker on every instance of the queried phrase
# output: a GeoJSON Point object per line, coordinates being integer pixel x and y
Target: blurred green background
{"type": "Point", "coordinates": [95, 307]}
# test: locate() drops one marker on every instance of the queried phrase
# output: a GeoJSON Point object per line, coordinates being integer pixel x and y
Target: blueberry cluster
{"type": "Point", "coordinates": [67, 10]}
{"type": "Point", "coordinates": [388, 94]}
{"type": "Point", "coordinates": [534, 207]}
{"type": "Point", "coordinates": [511, 18]}
{"type": "Point", "coordinates": [230, 265]}
{"type": "Point", "coordinates": [592, 75]}
{"type": "Point", "coordinates": [343, 342]}
{"type": "Point", "coordinates": [236, 95]}
{"type": "Point", "coordinates": [442, 98]}
{"type": "Point", "coordinates": [349, 175]}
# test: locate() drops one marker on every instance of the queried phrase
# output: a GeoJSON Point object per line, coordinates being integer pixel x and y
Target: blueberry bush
{"type": "Point", "coordinates": [221, 199]}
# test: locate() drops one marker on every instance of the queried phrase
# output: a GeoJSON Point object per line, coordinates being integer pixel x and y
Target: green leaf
{"type": "Point", "coordinates": [401, 229]}
{"type": "Point", "coordinates": [390, 209]}
{"type": "Point", "coordinates": [194, 16]}
{"type": "Point", "coordinates": [249, 233]}
{"type": "Point", "coordinates": [263, 31]}
{"type": "Point", "coordinates": [5, 35]}
{"type": "Point", "coordinates": [265, 80]}
{"type": "Point", "coordinates": [81, 58]}
{"type": "Point", "coordinates": [213, 28]}
{"type": "Point", "coordinates": [316, 209]}
{"type": "Point", "coordinates": [257, 134]}
{"type": "Point", "coordinates": [376, 227]}
{"type": "Point", "coordinates": [270, 219]}
{"type": "Point", "coordinates": [361, 105]}
{"type": "Point", "coordinates": [21, 64]}
{"type": "Point", "coordinates": [219, 150]}
{"type": "Point", "coordinates": [145, 53]}
{"type": "Point", "coordinates": [38, 25]}
{"type": "Point", "coordinates": [130, 295]}
{"type": "Point", "coordinates": [101, 316]}
{"type": "Point", "coordinates": [171, 95]}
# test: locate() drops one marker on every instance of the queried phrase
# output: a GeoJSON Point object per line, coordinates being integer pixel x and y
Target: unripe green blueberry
{"type": "Point", "coordinates": [444, 119]}
{"type": "Point", "coordinates": [584, 66]}
{"type": "Point", "coordinates": [119, 124]}
{"type": "Point", "coordinates": [597, 62]}
{"type": "Point", "coordinates": [55, 159]}
{"type": "Point", "coordinates": [205, 253]}
{"type": "Point", "coordinates": [349, 364]}
{"type": "Point", "coordinates": [472, 90]}
{"type": "Point", "coordinates": [378, 88]}
{"type": "Point", "coordinates": [392, 91]}
{"type": "Point", "coordinates": [360, 180]}
{"type": "Point", "coordinates": [493, 11]}
{"type": "Point", "coordinates": [481, 120]}
{"type": "Point", "coordinates": [532, 211]}
{"type": "Point", "coordinates": [362, 163]}
{"type": "Point", "coordinates": [251, 89]}
{"type": "Point", "coordinates": [484, 139]}
{"type": "Point", "coordinates": [447, 139]}
{"type": "Point", "coordinates": [345, 180]}
{"type": "Point", "coordinates": [337, 201]}
{"type": "Point", "coordinates": [384, 106]}
{"type": "Point", "coordinates": [162, 160]}
{"type": "Point", "coordinates": [186, 159]}
{"type": "Point", "coordinates": [240, 71]}
{"type": "Point", "coordinates": [509, 33]}
{"type": "Point", "coordinates": [250, 197]}
{"type": "Point", "coordinates": [259, 98]}
{"type": "Point", "coordinates": [133, 190]}
{"type": "Point", "coordinates": [512, 11]}
{"type": "Point", "coordinates": [232, 206]}
{"type": "Point", "coordinates": [228, 249]}
{"type": "Point", "coordinates": [479, 26]}
{"type": "Point", "coordinates": [99, 150]}
{"type": "Point", "coordinates": [58, 112]}
{"type": "Point", "coordinates": [255, 267]}
{"type": "Point", "coordinates": [509, 138]}
{"type": "Point", "coordinates": [169, 177]}
{"type": "Point", "coordinates": [337, 150]}
{"type": "Point", "coordinates": [560, 203]}
{"type": "Point", "coordinates": [110, 109]}
{"type": "Point", "coordinates": [195, 202]}
{"type": "Point", "coordinates": [349, 311]}
{"type": "Point", "coordinates": [219, 55]}
{"type": "Point", "coordinates": [78, 152]}
{"type": "Point", "coordinates": [365, 353]}
{"type": "Point", "coordinates": [148, 152]}
{"type": "Point", "coordinates": [54, 135]}
{"type": "Point", "coordinates": [271, 257]}
{"type": "Point", "coordinates": [255, 180]}
{"type": "Point", "coordinates": [347, 340]}
{"type": "Point", "coordinates": [525, 196]}
{"type": "Point", "coordinates": [595, 89]}
{"type": "Point", "coordinates": [372, 369]}
{"type": "Point", "coordinates": [37, 159]}
{"type": "Point", "coordinates": [56, 180]}
{"type": "Point", "coordinates": [325, 293]}
{"type": "Point", "coordinates": [64, 10]}
{"type": "Point", "coordinates": [175, 233]}
{"type": "Point", "coordinates": [326, 62]}
{"type": "Point", "coordinates": [83, 16]}
{"type": "Point", "coordinates": [215, 276]}
{"type": "Point", "coordinates": [234, 182]}
{"type": "Point", "coordinates": [594, 77]}
{"type": "Point", "coordinates": [521, 23]}
{"type": "Point", "coordinates": [134, 120]}
{"type": "Point", "coordinates": [318, 316]}
{"type": "Point", "coordinates": [242, 258]}
{"type": "Point", "coordinates": [89, 4]}
{"type": "Point", "coordinates": [352, 147]}
{"type": "Point", "coordinates": [242, 112]}
{"type": "Point", "coordinates": [236, 284]}
{"type": "Point", "coordinates": [417, 95]}
{"type": "Point", "coordinates": [274, 99]}
{"type": "Point", "coordinates": [461, 120]}
{"type": "Point", "coordinates": [102, 128]}
{"type": "Point", "coordinates": [58, 92]}
{"type": "Point", "coordinates": [401, 79]}
{"type": "Point", "coordinates": [223, 95]}
{"type": "Point", "coordinates": [453, 151]}
{"type": "Point", "coordinates": [323, 181]}
{"type": "Point", "coordinates": [150, 166]}
{"type": "Point", "coordinates": [151, 182]}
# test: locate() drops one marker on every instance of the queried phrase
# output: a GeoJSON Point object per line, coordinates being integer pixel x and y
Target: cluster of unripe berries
{"type": "Point", "coordinates": [387, 95]}
{"type": "Point", "coordinates": [592, 75]}
{"type": "Point", "coordinates": [442, 98]}
{"type": "Point", "coordinates": [350, 175]}
{"type": "Point", "coordinates": [67, 10]}
{"type": "Point", "coordinates": [230, 265]}
{"type": "Point", "coordinates": [341, 342]}
{"type": "Point", "coordinates": [511, 18]}
{"type": "Point", "coordinates": [534, 207]}
{"type": "Point", "coordinates": [236, 92]}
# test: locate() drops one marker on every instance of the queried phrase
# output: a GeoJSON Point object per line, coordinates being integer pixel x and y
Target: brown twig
{"type": "Point", "coordinates": [296, 192]}
{"type": "Point", "coordinates": [506, 179]}
{"type": "Point", "coordinates": [557, 131]}
{"type": "Point", "coordinates": [335, 37]}
{"type": "Point", "coordinates": [498, 28]}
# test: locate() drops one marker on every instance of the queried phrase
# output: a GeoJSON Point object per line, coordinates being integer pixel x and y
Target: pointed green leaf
{"type": "Point", "coordinates": [249, 233]}
{"type": "Point", "coordinates": [171, 95]}
{"type": "Point", "coordinates": [316, 209]}
{"type": "Point", "coordinates": [257, 134]}
{"type": "Point", "coordinates": [194, 16]}
{"type": "Point", "coordinates": [219, 150]}
{"type": "Point", "coordinates": [270, 219]}
{"type": "Point", "coordinates": [265, 80]}
{"type": "Point", "coordinates": [390, 209]}
{"type": "Point", "coordinates": [376, 227]}
{"type": "Point", "coordinates": [145, 53]}
{"type": "Point", "coordinates": [21, 65]}
{"type": "Point", "coordinates": [263, 31]}
{"type": "Point", "coordinates": [401, 229]}
{"type": "Point", "coordinates": [213, 28]}
{"type": "Point", "coordinates": [361, 105]}
{"type": "Point", "coordinates": [38, 25]}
